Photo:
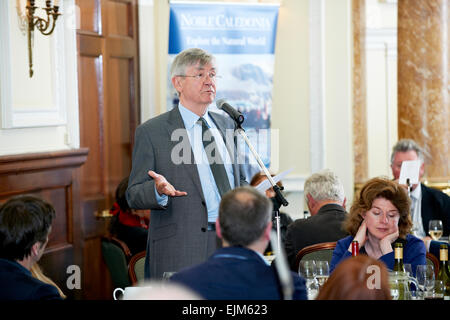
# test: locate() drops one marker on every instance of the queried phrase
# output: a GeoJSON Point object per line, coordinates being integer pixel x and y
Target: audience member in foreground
{"type": "Point", "coordinates": [238, 270]}
{"type": "Point", "coordinates": [379, 217]}
{"type": "Point", "coordinates": [360, 278]}
{"type": "Point", "coordinates": [325, 198]}
{"type": "Point", "coordinates": [25, 224]}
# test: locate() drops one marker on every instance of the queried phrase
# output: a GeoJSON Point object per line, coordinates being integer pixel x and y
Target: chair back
{"type": "Point", "coordinates": [433, 261]}
{"type": "Point", "coordinates": [136, 267]}
{"type": "Point", "coordinates": [319, 251]}
{"type": "Point", "coordinates": [116, 255]}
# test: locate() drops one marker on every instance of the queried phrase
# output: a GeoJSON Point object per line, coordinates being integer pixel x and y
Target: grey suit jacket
{"type": "Point", "coordinates": [177, 235]}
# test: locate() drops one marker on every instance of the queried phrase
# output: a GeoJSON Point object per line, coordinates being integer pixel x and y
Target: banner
{"type": "Point", "coordinates": [242, 38]}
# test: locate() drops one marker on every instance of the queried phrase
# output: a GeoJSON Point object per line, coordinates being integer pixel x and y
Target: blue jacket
{"type": "Point", "coordinates": [17, 283]}
{"type": "Point", "coordinates": [236, 273]}
{"type": "Point", "coordinates": [414, 252]}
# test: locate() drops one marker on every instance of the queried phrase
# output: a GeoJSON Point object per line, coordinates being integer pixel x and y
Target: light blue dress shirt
{"type": "Point", "coordinates": [209, 187]}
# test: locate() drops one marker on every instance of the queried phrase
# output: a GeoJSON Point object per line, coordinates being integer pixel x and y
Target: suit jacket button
{"type": "Point", "coordinates": [203, 229]}
{"type": "Point", "coordinates": [204, 203]}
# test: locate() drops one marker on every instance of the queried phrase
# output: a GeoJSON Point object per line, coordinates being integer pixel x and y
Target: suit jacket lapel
{"type": "Point", "coordinates": [425, 205]}
{"type": "Point", "coordinates": [175, 122]}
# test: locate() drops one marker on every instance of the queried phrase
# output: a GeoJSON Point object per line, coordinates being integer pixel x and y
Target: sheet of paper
{"type": "Point", "coordinates": [410, 169]}
{"type": "Point", "coordinates": [264, 185]}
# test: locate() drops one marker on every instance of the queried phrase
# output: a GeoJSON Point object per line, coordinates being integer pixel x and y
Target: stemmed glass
{"type": "Point", "coordinates": [307, 269]}
{"type": "Point", "coordinates": [425, 279]}
{"type": "Point", "coordinates": [408, 269]}
{"type": "Point", "coordinates": [322, 272]}
{"type": "Point", "coordinates": [435, 229]}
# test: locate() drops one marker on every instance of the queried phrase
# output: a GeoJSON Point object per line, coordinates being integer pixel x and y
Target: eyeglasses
{"type": "Point", "coordinates": [200, 76]}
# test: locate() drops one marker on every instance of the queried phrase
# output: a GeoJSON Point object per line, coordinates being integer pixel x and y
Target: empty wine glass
{"type": "Point", "coordinates": [322, 272]}
{"type": "Point", "coordinates": [435, 229]}
{"type": "Point", "coordinates": [408, 269]}
{"type": "Point", "coordinates": [167, 275]}
{"type": "Point", "coordinates": [307, 269]}
{"type": "Point", "coordinates": [425, 279]}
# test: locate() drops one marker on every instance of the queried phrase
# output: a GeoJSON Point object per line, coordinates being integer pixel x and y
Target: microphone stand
{"type": "Point", "coordinates": [282, 269]}
{"type": "Point", "coordinates": [279, 199]}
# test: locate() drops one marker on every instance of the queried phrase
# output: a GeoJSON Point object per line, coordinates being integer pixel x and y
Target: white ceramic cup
{"type": "Point", "coordinates": [125, 293]}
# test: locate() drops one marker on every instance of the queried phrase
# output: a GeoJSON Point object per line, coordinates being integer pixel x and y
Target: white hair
{"type": "Point", "coordinates": [324, 185]}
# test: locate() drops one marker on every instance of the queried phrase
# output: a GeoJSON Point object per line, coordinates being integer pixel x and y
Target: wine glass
{"type": "Point", "coordinates": [425, 279]}
{"type": "Point", "coordinates": [307, 269]}
{"type": "Point", "coordinates": [167, 275]}
{"type": "Point", "coordinates": [435, 229]}
{"type": "Point", "coordinates": [408, 269]}
{"type": "Point", "coordinates": [322, 272]}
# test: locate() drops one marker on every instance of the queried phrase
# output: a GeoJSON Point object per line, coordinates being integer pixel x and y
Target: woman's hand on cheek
{"type": "Point", "coordinates": [361, 235]}
{"type": "Point", "coordinates": [385, 243]}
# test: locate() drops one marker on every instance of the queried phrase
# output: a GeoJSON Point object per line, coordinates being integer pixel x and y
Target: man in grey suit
{"type": "Point", "coordinates": [326, 200]}
{"type": "Point", "coordinates": [181, 169]}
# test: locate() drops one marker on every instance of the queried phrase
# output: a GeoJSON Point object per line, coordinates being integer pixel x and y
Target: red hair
{"type": "Point", "coordinates": [349, 281]}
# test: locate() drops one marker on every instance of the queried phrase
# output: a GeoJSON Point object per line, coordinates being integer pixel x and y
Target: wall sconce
{"type": "Point", "coordinates": [45, 26]}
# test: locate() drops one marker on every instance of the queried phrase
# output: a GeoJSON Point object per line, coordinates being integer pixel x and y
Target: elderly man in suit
{"type": "Point", "coordinates": [426, 203]}
{"type": "Point", "coordinates": [183, 162]}
{"type": "Point", "coordinates": [238, 270]}
{"type": "Point", "coordinates": [25, 224]}
{"type": "Point", "coordinates": [325, 198]}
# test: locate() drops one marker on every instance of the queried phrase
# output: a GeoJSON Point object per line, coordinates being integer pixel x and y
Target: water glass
{"type": "Point", "coordinates": [322, 272]}
{"type": "Point", "coordinates": [307, 269]}
{"type": "Point", "coordinates": [408, 269]}
{"type": "Point", "coordinates": [167, 275]}
{"type": "Point", "coordinates": [425, 279]}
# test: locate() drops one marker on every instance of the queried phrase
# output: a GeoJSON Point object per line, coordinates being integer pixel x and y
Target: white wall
{"type": "Point", "coordinates": [381, 81]}
{"type": "Point", "coordinates": [338, 92]}
{"type": "Point", "coordinates": [147, 58]}
{"type": "Point", "coordinates": [40, 113]}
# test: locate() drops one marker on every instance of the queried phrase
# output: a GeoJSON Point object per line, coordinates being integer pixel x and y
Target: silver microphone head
{"type": "Point", "coordinates": [220, 103]}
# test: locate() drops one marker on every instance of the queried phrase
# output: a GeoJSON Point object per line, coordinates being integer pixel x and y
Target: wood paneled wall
{"type": "Point", "coordinates": [52, 176]}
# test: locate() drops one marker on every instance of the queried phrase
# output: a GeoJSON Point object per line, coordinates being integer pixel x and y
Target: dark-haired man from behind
{"type": "Point", "coordinates": [25, 224]}
{"type": "Point", "coordinates": [238, 270]}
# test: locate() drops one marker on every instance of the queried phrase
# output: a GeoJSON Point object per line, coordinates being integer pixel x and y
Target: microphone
{"type": "Point", "coordinates": [232, 112]}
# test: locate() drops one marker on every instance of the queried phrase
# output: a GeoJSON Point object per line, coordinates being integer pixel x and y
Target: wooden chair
{"type": "Point", "coordinates": [432, 260]}
{"type": "Point", "coordinates": [136, 267]}
{"type": "Point", "coordinates": [320, 251]}
{"type": "Point", "coordinates": [116, 255]}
